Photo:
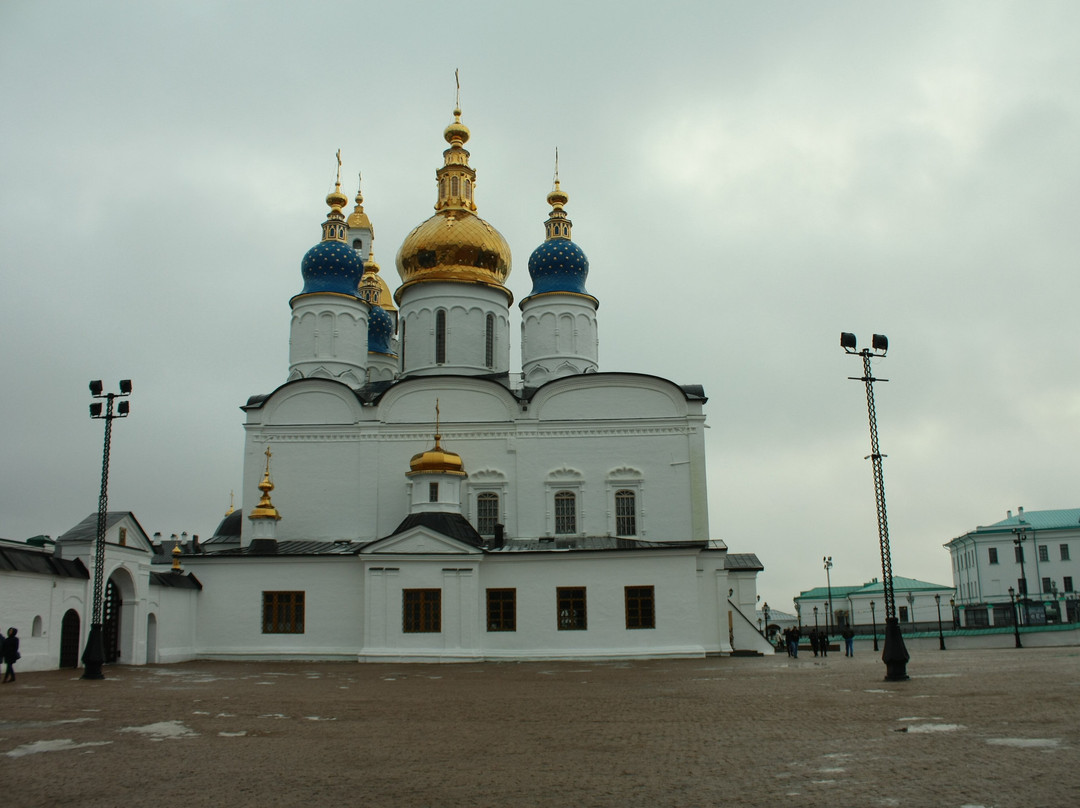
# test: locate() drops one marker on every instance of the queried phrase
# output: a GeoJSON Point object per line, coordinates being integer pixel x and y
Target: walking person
{"type": "Point", "coordinates": [815, 640]}
{"type": "Point", "coordinates": [10, 654]}
{"type": "Point", "coordinates": [823, 643]}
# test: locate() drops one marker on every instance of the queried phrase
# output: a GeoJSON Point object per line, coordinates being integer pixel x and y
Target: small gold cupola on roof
{"type": "Point", "coordinates": [436, 459]}
{"type": "Point", "coordinates": [265, 509]}
{"type": "Point", "coordinates": [358, 218]}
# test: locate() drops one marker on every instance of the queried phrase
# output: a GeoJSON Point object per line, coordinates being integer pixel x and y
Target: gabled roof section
{"type": "Point", "coordinates": [453, 525]}
{"type": "Point", "coordinates": [86, 531]}
{"type": "Point", "coordinates": [175, 580]}
{"type": "Point", "coordinates": [271, 549]}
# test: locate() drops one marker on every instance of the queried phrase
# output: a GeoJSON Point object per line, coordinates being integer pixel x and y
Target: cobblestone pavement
{"type": "Point", "coordinates": [993, 728]}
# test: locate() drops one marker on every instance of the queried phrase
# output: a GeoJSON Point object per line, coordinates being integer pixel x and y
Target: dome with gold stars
{"type": "Point", "coordinates": [558, 265]}
{"type": "Point", "coordinates": [455, 244]}
{"type": "Point", "coordinates": [332, 265]}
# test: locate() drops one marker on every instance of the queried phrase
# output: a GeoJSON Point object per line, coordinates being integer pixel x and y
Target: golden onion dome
{"type": "Point", "coordinates": [359, 219]}
{"type": "Point", "coordinates": [438, 460]}
{"type": "Point", "coordinates": [265, 508]}
{"type": "Point", "coordinates": [455, 244]}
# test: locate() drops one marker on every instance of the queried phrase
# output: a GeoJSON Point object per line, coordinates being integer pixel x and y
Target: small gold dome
{"type": "Point", "coordinates": [456, 133]}
{"type": "Point", "coordinates": [436, 459]}
{"type": "Point", "coordinates": [454, 245]}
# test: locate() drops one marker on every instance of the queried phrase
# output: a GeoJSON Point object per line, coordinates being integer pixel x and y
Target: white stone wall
{"type": "Point", "coordinates": [339, 467]}
{"type": "Point", "coordinates": [328, 338]}
{"type": "Point", "coordinates": [558, 337]}
{"type": "Point", "coordinates": [467, 307]}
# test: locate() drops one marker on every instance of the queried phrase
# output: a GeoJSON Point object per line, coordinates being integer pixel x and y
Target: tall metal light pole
{"type": "Point", "coordinates": [873, 618]}
{"type": "Point", "coordinates": [895, 656]}
{"type": "Point", "coordinates": [94, 655]}
{"type": "Point", "coordinates": [940, 633]}
{"type": "Point", "coordinates": [827, 560]}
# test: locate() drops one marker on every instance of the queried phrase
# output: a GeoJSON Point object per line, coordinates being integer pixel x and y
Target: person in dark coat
{"type": "Point", "coordinates": [815, 641]}
{"type": "Point", "coordinates": [10, 654]}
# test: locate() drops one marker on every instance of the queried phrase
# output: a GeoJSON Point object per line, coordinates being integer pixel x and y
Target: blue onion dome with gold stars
{"type": "Point", "coordinates": [455, 244]}
{"type": "Point", "coordinates": [380, 331]}
{"type": "Point", "coordinates": [332, 266]}
{"type": "Point", "coordinates": [558, 266]}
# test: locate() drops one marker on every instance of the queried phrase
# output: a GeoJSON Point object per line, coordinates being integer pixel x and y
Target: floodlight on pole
{"type": "Point", "coordinates": [895, 654]}
{"type": "Point", "coordinates": [94, 655]}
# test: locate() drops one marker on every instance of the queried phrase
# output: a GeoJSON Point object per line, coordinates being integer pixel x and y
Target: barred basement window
{"type": "Point", "coordinates": [283, 613]}
{"type": "Point", "coordinates": [625, 513]}
{"type": "Point", "coordinates": [421, 611]}
{"type": "Point", "coordinates": [565, 512]}
{"type": "Point", "coordinates": [502, 609]}
{"type": "Point", "coordinates": [640, 607]}
{"type": "Point", "coordinates": [487, 513]}
{"type": "Point", "coordinates": [571, 605]}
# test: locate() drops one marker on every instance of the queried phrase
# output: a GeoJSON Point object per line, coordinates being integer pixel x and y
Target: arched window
{"type": "Point", "coordinates": [440, 337]}
{"type": "Point", "coordinates": [625, 513]}
{"type": "Point", "coordinates": [455, 186]}
{"type": "Point", "coordinates": [487, 513]}
{"type": "Point", "coordinates": [403, 342]}
{"type": "Point", "coordinates": [358, 245]}
{"type": "Point", "coordinates": [468, 190]}
{"type": "Point", "coordinates": [489, 342]}
{"type": "Point", "coordinates": [442, 187]}
{"type": "Point", "coordinates": [565, 512]}
{"type": "Point", "coordinates": [35, 630]}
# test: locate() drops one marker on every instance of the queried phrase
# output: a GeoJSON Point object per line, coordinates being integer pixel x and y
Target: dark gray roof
{"type": "Point", "coordinates": [184, 580]}
{"type": "Point", "coordinates": [291, 547]}
{"type": "Point", "coordinates": [590, 543]}
{"type": "Point", "coordinates": [228, 530]}
{"type": "Point", "coordinates": [743, 561]}
{"type": "Point", "coordinates": [86, 530]}
{"type": "Point", "coordinates": [32, 559]}
{"type": "Point", "coordinates": [453, 525]}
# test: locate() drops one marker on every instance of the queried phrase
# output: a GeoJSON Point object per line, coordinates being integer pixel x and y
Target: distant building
{"type": "Point", "coordinates": [1033, 553]}
{"type": "Point", "coordinates": [916, 607]}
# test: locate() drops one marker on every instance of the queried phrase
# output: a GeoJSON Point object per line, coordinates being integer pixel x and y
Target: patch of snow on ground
{"type": "Point", "coordinates": [60, 745]}
{"type": "Point", "coordinates": [163, 730]}
{"type": "Point", "coordinates": [934, 728]}
{"type": "Point", "coordinates": [1026, 743]}
{"type": "Point", "coordinates": [239, 734]}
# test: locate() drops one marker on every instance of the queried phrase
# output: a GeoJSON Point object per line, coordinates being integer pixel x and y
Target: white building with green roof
{"type": "Point", "coordinates": [1031, 553]}
{"type": "Point", "coordinates": [864, 606]}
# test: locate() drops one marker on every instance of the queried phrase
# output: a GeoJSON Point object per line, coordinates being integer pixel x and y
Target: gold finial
{"type": "Point", "coordinates": [556, 166]}
{"type": "Point", "coordinates": [457, 97]}
{"type": "Point", "coordinates": [176, 558]}
{"type": "Point", "coordinates": [265, 509]}
{"type": "Point", "coordinates": [336, 200]}
{"type": "Point", "coordinates": [231, 507]}
{"type": "Point", "coordinates": [558, 224]}
{"type": "Point", "coordinates": [437, 430]}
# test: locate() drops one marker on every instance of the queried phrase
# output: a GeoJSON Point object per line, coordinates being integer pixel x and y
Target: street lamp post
{"type": "Point", "coordinates": [765, 611]}
{"type": "Point", "coordinates": [1016, 619]}
{"type": "Point", "coordinates": [911, 609]}
{"type": "Point", "coordinates": [873, 618]}
{"type": "Point", "coordinates": [941, 634]}
{"type": "Point", "coordinates": [895, 656]}
{"type": "Point", "coordinates": [798, 615]}
{"type": "Point", "coordinates": [815, 618]}
{"type": "Point", "coordinates": [1018, 543]}
{"type": "Point", "coordinates": [827, 561]}
{"type": "Point", "coordinates": [94, 655]}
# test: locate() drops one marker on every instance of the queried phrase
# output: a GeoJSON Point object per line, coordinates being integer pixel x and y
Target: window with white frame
{"type": "Point", "coordinates": [625, 512]}
{"type": "Point", "coordinates": [565, 512]}
{"type": "Point", "coordinates": [487, 513]}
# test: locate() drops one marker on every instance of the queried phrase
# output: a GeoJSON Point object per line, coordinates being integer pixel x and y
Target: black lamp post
{"type": "Point", "coordinates": [1018, 543]}
{"type": "Point", "coordinates": [895, 656]}
{"type": "Point", "coordinates": [94, 655]}
{"type": "Point", "coordinates": [873, 618]}
{"type": "Point", "coordinates": [1016, 619]}
{"type": "Point", "coordinates": [798, 615]}
{"type": "Point", "coordinates": [941, 634]}
{"type": "Point", "coordinates": [827, 561]}
{"type": "Point", "coordinates": [955, 618]}
{"type": "Point", "coordinates": [765, 611]}
{"type": "Point", "coordinates": [815, 618]}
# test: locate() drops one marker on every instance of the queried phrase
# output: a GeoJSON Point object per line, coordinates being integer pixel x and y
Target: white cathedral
{"type": "Point", "coordinates": [413, 499]}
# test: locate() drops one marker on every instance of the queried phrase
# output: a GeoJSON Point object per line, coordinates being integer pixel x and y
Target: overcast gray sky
{"type": "Point", "coordinates": [747, 179]}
